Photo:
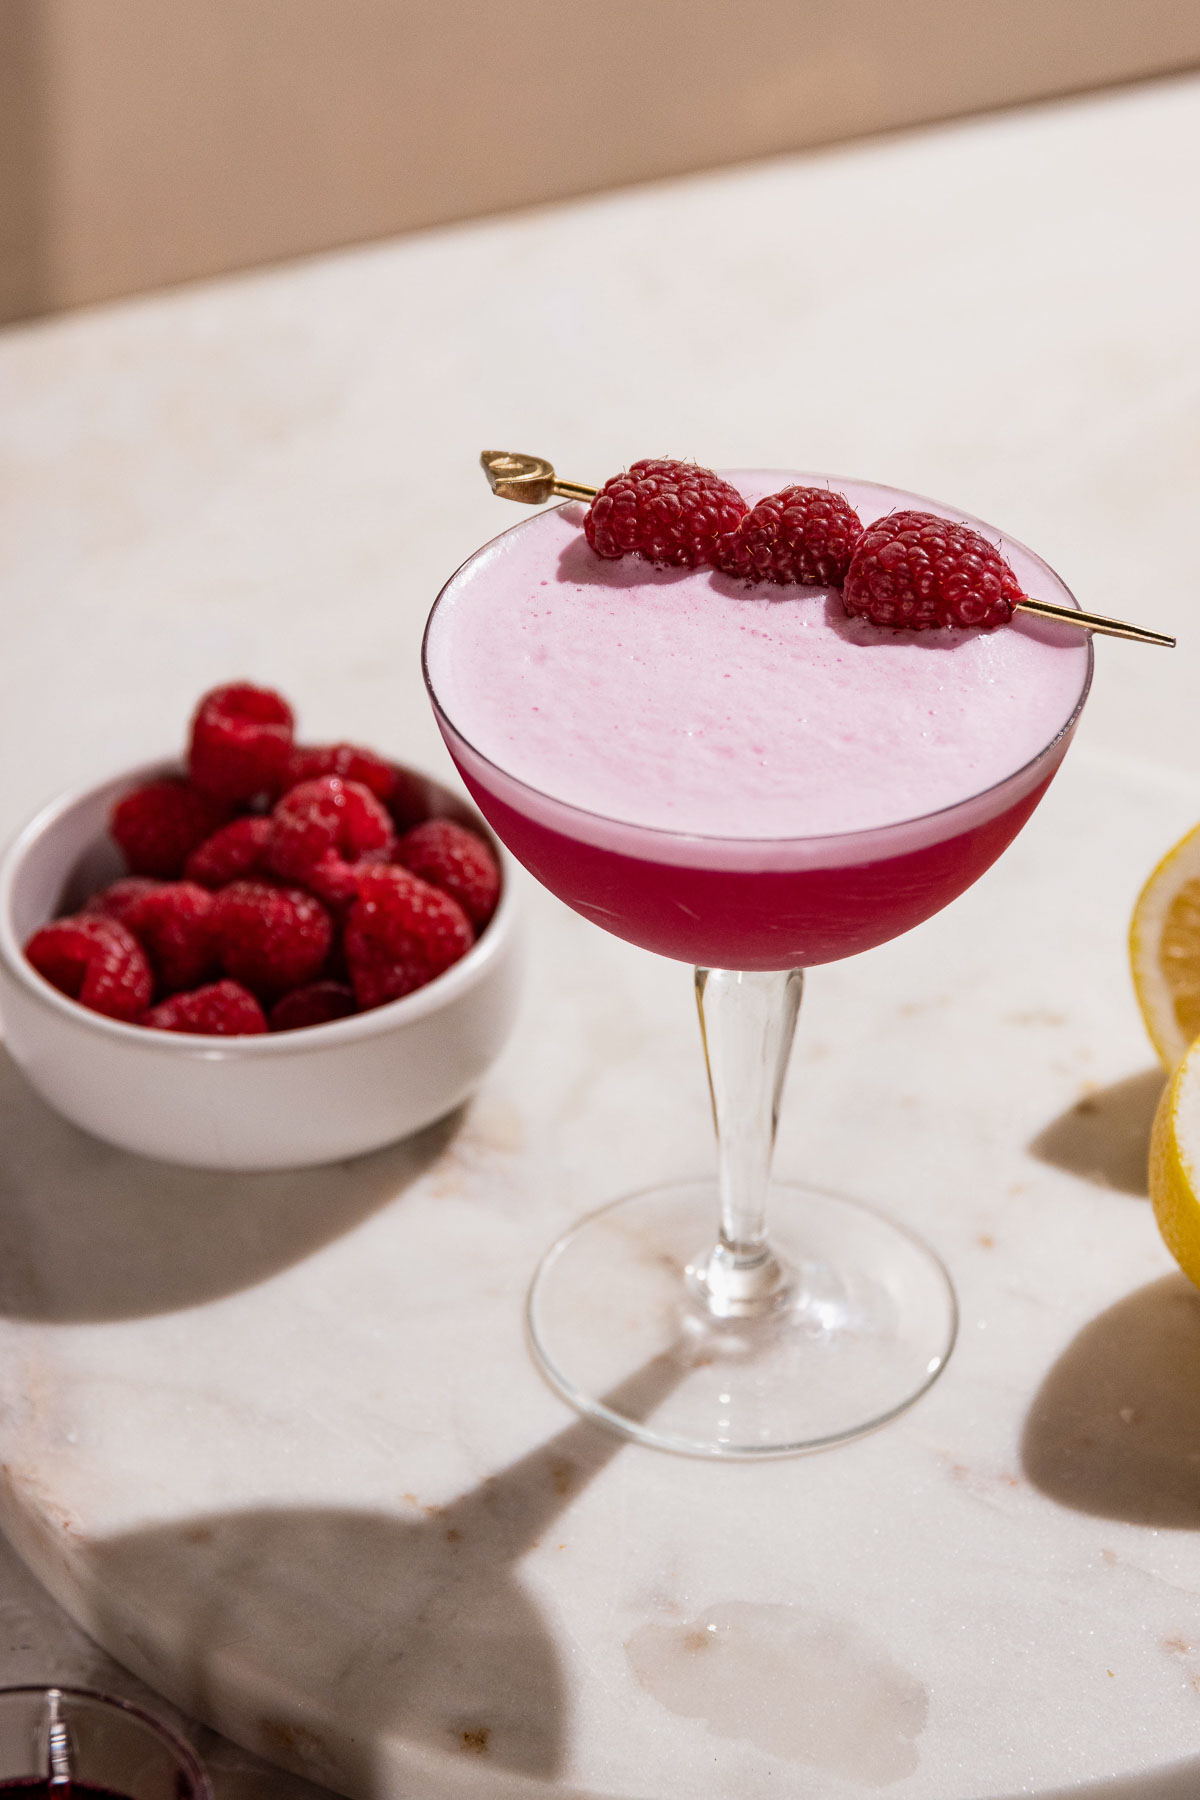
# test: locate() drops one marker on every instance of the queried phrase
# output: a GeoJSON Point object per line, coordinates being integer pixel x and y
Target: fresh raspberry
{"type": "Point", "coordinates": [456, 860]}
{"type": "Point", "coordinates": [802, 534]}
{"type": "Point", "coordinates": [241, 741]}
{"type": "Point", "coordinates": [229, 854]}
{"type": "Point", "coordinates": [667, 512]}
{"type": "Point", "coordinates": [400, 934]}
{"type": "Point", "coordinates": [915, 570]}
{"type": "Point", "coordinates": [379, 977]}
{"type": "Point", "coordinates": [158, 826]}
{"type": "Point", "coordinates": [121, 899]}
{"type": "Point", "coordinates": [408, 801]}
{"type": "Point", "coordinates": [318, 1004]}
{"type": "Point", "coordinates": [172, 920]}
{"type": "Point", "coordinates": [350, 761]}
{"type": "Point", "coordinates": [96, 961]}
{"type": "Point", "coordinates": [336, 968]}
{"type": "Point", "coordinates": [323, 815]}
{"type": "Point", "coordinates": [270, 938]}
{"type": "Point", "coordinates": [335, 881]}
{"type": "Point", "coordinates": [222, 1009]}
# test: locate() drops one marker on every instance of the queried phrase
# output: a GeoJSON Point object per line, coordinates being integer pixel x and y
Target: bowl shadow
{"type": "Point", "coordinates": [1114, 1429]}
{"type": "Point", "coordinates": [1105, 1136]}
{"type": "Point", "coordinates": [89, 1232]}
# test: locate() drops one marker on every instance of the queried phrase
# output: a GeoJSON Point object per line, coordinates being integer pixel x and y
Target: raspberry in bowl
{"type": "Point", "coordinates": [299, 957]}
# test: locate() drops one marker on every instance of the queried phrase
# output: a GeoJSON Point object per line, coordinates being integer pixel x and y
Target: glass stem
{"type": "Point", "coordinates": [747, 1022]}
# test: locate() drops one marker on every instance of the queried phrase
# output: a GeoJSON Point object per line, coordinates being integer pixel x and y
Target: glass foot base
{"type": "Point", "coordinates": [866, 1325]}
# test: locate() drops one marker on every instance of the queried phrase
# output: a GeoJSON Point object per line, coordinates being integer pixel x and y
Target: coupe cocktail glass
{"type": "Point", "coordinates": [73, 1744]}
{"type": "Point", "coordinates": [833, 1318]}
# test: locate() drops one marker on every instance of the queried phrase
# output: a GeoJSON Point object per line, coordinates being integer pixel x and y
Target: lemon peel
{"type": "Point", "coordinates": [1175, 1165]}
{"type": "Point", "coordinates": [1164, 951]}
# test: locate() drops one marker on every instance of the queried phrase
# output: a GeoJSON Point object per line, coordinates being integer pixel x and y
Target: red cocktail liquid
{"type": "Point", "coordinates": [751, 919]}
{"type": "Point", "coordinates": [39, 1788]}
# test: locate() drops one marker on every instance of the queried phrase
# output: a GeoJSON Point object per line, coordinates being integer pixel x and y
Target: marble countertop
{"type": "Point", "coordinates": [271, 476]}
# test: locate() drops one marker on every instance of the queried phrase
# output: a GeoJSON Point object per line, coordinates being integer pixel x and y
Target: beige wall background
{"type": "Point", "coordinates": [146, 142]}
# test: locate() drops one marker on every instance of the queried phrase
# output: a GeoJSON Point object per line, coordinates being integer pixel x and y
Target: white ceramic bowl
{"type": "Point", "coordinates": [268, 1102]}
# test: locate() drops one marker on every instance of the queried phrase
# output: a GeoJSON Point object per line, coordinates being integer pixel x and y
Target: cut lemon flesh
{"type": "Point", "coordinates": [1164, 947]}
{"type": "Point", "coordinates": [1175, 1165]}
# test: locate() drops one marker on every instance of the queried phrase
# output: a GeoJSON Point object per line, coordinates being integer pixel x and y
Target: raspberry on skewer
{"type": "Point", "coordinates": [919, 571]}
{"type": "Point", "coordinates": [513, 475]}
{"type": "Point", "coordinates": [671, 513]}
{"type": "Point", "coordinates": [804, 535]}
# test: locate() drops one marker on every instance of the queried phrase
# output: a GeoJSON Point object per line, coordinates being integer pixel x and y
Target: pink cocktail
{"type": "Point", "coordinates": [744, 779]}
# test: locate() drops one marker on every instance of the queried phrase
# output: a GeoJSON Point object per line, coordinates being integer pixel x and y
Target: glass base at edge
{"type": "Point", "coordinates": [868, 1326]}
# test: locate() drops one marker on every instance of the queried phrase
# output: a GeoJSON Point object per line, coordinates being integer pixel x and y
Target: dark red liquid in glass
{"type": "Point", "coordinates": [33, 1788]}
{"type": "Point", "coordinates": [742, 919]}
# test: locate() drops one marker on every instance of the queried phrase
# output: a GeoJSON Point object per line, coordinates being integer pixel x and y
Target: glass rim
{"type": "Point", "coordinates": [664, 832]}
{"type": "Point", "coordinates": [202, 1785]}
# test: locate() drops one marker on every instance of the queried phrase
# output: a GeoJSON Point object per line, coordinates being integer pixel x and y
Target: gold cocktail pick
{"type": "Point", "coordinates": [529, 478]}
{"type": "Point", "coordinates": [514, 476]}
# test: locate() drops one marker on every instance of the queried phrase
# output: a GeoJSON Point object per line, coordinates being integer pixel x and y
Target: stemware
{"type": "Point", "coordinates": [792, 1318]}
{"type": "Point", "coordinates": [63, 1742]}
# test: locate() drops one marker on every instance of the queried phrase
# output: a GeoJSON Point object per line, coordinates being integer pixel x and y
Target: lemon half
{"type": "Point", "coordinates": [1164, 947]}
{"type": "Point", "coordinates": [1175, 1165]}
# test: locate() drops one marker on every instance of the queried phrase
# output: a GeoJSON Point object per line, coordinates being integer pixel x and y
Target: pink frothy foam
{"type": "Point", "coordinates": [737, 775]}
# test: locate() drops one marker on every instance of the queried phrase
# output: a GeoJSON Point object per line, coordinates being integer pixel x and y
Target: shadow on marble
{"type": "Point", "coordinates": [373, 1639]}
{"type": "Point", "coordinates": [1105, 1136]}
{"type": "Point", "coordinates": [1115, 1427]}
{"type": "Point", "coordinates": [40, 1644]}
{"type": "Point", "coordinates": [89, 1233]}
